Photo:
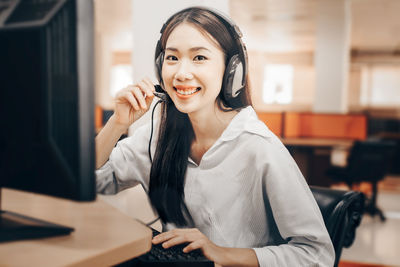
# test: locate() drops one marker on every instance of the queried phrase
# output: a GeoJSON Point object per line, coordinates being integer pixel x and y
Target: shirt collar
{"type": "Point", "coordinates": [245, 121]}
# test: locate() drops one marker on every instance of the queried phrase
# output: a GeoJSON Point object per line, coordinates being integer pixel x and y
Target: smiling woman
{"type": "Point", "coordinates": [208, 139]}
{"type": "Point", "coordinates": [192, 71]}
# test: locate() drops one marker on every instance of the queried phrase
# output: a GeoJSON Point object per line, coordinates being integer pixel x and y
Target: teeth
{"type": "Point", "coordinates": [187, 92]}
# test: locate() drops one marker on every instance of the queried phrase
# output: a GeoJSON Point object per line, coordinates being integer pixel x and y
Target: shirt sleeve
{"type": "Point", "coordinates": [295, 212]}
{"type": "Point", "coordinates": [128, 165]}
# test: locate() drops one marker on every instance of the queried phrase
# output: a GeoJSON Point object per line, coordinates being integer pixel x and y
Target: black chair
{"type": "Point", "coordinates": [342, 212]}
{"type": "Point", "coordinates": [368, 161]}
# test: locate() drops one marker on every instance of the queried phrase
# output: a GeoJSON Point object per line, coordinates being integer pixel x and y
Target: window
{"type": "Point", "coordinates": [121, 71]}
{"type": "Point", "coordinates": [380, 86]}
{"type": "Point", "coordinates": [278, 84]}
{"type": "Point", "coordinates": [121, 76]}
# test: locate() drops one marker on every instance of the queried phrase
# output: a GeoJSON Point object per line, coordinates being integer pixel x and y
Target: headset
{"type": "Point", "coordinates": [234, 80]}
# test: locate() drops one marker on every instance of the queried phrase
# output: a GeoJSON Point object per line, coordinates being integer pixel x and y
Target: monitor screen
{"type": "Point", "coordinates": [47, 98]}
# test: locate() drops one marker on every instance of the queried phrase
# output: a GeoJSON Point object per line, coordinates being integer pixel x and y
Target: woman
{"type": "Point", "coordinates": [220, 179]}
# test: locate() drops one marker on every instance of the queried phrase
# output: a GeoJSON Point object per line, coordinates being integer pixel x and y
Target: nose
{"type": "Point", "coordinates": [183, 72]}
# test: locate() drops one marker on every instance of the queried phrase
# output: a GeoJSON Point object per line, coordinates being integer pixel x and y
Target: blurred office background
{"type": "Point", "coordinates": [324, 74]}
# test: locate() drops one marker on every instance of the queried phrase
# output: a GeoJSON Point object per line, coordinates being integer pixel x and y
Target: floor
{"type": "Point", "coordinates": [377, 243]}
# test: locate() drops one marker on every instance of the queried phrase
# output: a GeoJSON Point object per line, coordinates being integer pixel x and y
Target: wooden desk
{"type": "Point", "coordinates": [103, 236]}
{"type": "Point", "coordinates": [318, 142]}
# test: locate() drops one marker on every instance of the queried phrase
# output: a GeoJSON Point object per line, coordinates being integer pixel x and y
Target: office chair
{"type": "Point", "coordinates": [342, 212]}
{"type": "Point", "coordinates": [368, 161]}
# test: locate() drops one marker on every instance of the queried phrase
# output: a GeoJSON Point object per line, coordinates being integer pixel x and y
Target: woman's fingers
{"type": "Point", "coordinates": [141, 92]}
{"type": "Point", "coordinates": [132, 100]}
{"type": "Point", "coordinates": [198, 244]}
{"type": "Point", "coordinates": [125, 97]}
{"type": "Point", "coordinates": [146, 89]}
{"type": "Point", "coordinates": [174, 241]}
{"type": "Point", "coordinates": [149, 86]}
{"type": "Point", "coordinates": [168, 235]}
{"type": "Point", "coordinates": [196, 240]}
{"type": "Point", "coordinates": [149, 89]}
{"type": "Point", "coordinates": [163, 237]}
{"type": "Point", "coordinates": [139, 97]}
{"type": "Point", "coordinates": [177, 236]}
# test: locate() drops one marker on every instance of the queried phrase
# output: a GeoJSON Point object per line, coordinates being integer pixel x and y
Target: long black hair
{"type": "Point", "coordinates": [167, 175]}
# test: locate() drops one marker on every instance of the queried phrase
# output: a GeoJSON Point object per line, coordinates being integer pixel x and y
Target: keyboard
{"type": "Point", "coordinates": [173, 256]}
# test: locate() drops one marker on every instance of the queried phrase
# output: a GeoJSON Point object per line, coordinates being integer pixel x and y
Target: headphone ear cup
{"type": "Point", "coordinates": [158, 64]}
{"type": "Point", "coordinates": [234, 80]}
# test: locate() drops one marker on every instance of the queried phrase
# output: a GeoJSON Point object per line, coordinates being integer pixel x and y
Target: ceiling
{"type": "Point", "coordinates": [111, 16]}
{"type": "Point", "coordinates": [290, 25]}
{"type": "Point", "coordinates": [286, 25]}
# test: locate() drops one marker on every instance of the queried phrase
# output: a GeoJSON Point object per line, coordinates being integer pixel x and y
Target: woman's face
{"type": "Point", "coordinates": [193, 69]}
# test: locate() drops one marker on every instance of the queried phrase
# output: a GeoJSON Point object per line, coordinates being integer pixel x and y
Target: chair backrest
{"type": "Point", "coordinates": [342, 212]}
{"type": "Point", "coordinates": [369, 160]}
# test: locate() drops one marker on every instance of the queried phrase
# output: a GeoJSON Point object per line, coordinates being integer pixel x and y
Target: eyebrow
{"type": "Point", "coordinates": [195, 49]}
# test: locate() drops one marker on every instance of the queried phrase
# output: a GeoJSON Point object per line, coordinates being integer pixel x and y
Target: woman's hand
{"type": "Point", "coordinates": [132, 102]}
{"type": "Point", "coordinates": [196, 240]}
{"type": "Point", "coordinates": [221, 256]}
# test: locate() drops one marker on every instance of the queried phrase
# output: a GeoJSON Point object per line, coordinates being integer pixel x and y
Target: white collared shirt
{"type": "Point", "coordinates": [247, 192]}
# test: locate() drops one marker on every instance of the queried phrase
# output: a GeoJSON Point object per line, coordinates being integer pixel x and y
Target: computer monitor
{"type": "Point", "coordinates": [46, 105]}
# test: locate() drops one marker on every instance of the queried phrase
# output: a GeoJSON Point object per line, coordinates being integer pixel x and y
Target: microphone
{"type": "Point", "coordinates": [160, 93]}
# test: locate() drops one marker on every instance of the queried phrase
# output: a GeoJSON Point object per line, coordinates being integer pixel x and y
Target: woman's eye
{"type": "Point", "coordinates": [170, 57]}
{"type": "Point", "coordinates": [199, 58]}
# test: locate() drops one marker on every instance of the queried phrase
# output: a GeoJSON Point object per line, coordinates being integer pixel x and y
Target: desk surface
{"type": "Point", "coordinates": [103, 236]}
{"type": "Point", "coordinates": [318, 142]}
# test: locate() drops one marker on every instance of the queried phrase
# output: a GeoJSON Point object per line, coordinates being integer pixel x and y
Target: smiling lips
{"type": "Point", "coordinates": [184, 92]}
